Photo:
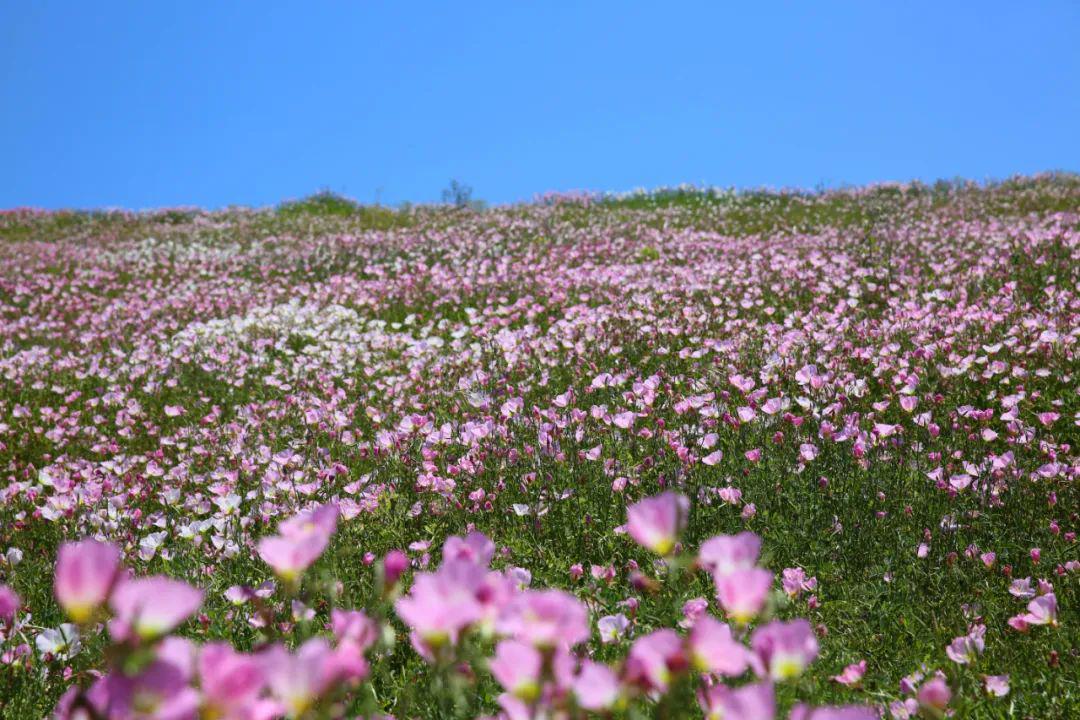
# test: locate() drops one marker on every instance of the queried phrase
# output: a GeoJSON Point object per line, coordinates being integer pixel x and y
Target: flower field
{"type": "Point", "coordinates": [677, 454]}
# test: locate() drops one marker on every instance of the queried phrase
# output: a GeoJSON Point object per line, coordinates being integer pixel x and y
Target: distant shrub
{"type": "Point", "coordinates": [325, 203]}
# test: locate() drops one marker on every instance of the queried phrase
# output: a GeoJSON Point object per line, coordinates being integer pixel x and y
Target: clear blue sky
{"type": "Point", "coordinates": [148, 104]}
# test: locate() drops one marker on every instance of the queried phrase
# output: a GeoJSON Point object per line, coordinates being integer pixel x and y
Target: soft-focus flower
{"type": "Point", "coordinates": [996, 685]}
{"type": "Point", "coordinates": [9, 603]}
{"type": "Point", "coordinates": [714, 650]}
{"type": "Point", "coordinates": [516, 666]}
{"type": "Point", "coordinates": [231, 682]}
{"type": "Point", "coordinates": [655, 658]}
{"type": "Point", "coordinates": [852, 675]}
{"type": "Point", "coordinates": [442, 604]}
{"type": "Point", "coordinates": [160, 691]}
{"type": "Point", "coordinates": [783, 650]}
{"type": "Point", "coordinates": [742, 593]}
{"type": "Point", "coordinates": [934, 696]}
{"type": "Point", "coordinates": [84, 576]}
{"type": "Point", "coordinates": [596, 687]}
{"type": "Point", "coordinates": [545, 619]}
{"type": "Point", "coordinates": [152, 607]}
{"type": "Point", "coordinates": [749, 702]}
{"type": "Point", "coordinates": [355, 627]}
{"type": "Point", "coordinates": [846, 712]}
{"type": "Point", "coordinates": [298, 680]}
{"type": "Point", "coordinates": [725, 554]}
{"type": "Point", "coordinates": [656, 522]}
{"type": "Point", "coordinates": [299, 542]}
{"type": "Point", "coordinates": [474, 547]}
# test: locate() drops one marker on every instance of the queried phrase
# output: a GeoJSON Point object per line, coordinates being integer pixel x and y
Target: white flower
{"type": "Point", "coordinates": [62, 643]}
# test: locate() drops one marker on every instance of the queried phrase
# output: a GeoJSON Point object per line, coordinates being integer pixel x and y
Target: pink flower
{"type": "Point", "coordinates": [693, 610]}
{"type": "Point", "coordinates": [474, 547]}
{"type": "Point", "coordinates": [299, 680]}
{"type": "Point", "coordinates": [231, 682]}
{"type": "Point", "coordinates": [1021, 588]}
{"type": "Point", "coordinates": [724, 554]}
{"type": "Point", "coordinates": [934, 696]}
{"type": "Point", "coordinates": [300, 542]}
{"type": "Point", "coordinates": [353, 627]}
{"type": "Point", "coordinates": [596, 687]}
{"type": "Point", "coordinates": [656, 522]}
{"type": "Point", "coordinates": [160, 691]}
{"type": "Point", "coordinates": [441, 605]}
{"type": "Point", "coordinates": [654, 658]}
{"type": "Point", "coordinates": [84, 576]}
{"type": "Point", "coordinates": [714, 650]}
{"type": "Point", "coordinates": [9, 604]}
{"type": "Point", "coordinates": [965, 649]}
{"type": "Point", "coordinates": [713, 458]}
{"type": "Point", "coordinates": [1042, 611]}
{"type": "Point", "coordinates": [750, 702]}
{"type": "Point", "coordinates": [794, 581]}
{"type": "Point", "coordinates": [545, 619]}
{"type": "Point", "coordinates": [743, 593]}
{"type": "Point", "coordinates": [517, 666]}
{"type": "Point", "coordinates": [783, 650]}
{"type": "Point", "coordinates": [996, 685]}
{"type": "Point", "coordinates": [394, 566]}
{"type": "Point", "coordinates": [846, 712]}
{"type": "Point", "coordinates": [321, 520]}
{"type": "Point", "coordinates": [852, 675]}
{"type": "Point", "coordinates": [152, 607]}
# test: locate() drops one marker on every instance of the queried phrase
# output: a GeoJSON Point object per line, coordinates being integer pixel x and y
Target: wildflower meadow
{"type": "Point", "coordinates": [672, 454]}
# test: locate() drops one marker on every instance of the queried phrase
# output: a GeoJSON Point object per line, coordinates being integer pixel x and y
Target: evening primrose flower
{"type": "Point", "coordinates": [749, 702]}
{"type": "Point", "coordinates": [934, 697]}
{"type": "Point", "coordinates": [160, 690]}
{"type": "Point", "coordinates": [517, 666]}
{"type": "Point", "coordinates": [231, 682]}
{"type": "Point", "coordinates": [1042, 611]}
{"type": "Point", "coordinates": [852, 675]}
{"type": "Point", "coordinates": [545, 619]}
{"type": "Point", "coordinates": [84, 576]}
{"type": "Point", "coordinates": [656, 522]}
{"type": "Point", "coordinates": [9, 603]}
{"type": "Point", "coordinates": [743, 593]}
{"type": "Point", "coordinates": [724, 554]}
{"type": "Point", "coordinates": [612, 627]}
{"type": "Point", "coordinates": [299, 542]}
{"type": "Point", "coordinates": [596, 687]}
{"type": "Point", "coordinates": [655, 658]}
{"type": "Point", "coordinates": [61, 643]}
{"type": "Point", "coordinates": [966, 648]}
{"type": "Point", "coordinates": [150, 608]}
{"type": "Point", "coordinates": [996, 685]}
{"type": "Point", "coordinates": [299, 680]}
{"type": "Point", "coordinates": [714, 650]}
{"type": "Point", "coordinates": [442, 604]}
{"type": "Point", "coordinates": [783, 650]}
{"type": "Point", "coordinates": [474, 547]}
{"type": "Point", "coordinates": [844, 712]}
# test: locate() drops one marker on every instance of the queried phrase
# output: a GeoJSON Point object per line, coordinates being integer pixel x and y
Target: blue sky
{"type": "Point", "coordinates": [149, 104]}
